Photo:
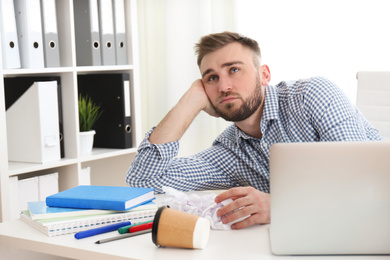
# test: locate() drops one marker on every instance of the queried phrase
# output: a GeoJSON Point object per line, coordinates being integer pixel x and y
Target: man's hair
{"type": "Point", "coordinates": [213, 42]}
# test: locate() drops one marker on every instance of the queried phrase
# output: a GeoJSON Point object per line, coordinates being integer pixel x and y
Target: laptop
{"type": "Point", "coordinates": [330, 198]}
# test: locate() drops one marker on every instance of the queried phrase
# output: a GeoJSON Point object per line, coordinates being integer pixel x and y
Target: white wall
{"type": "Point", "coordinates": [169, 30]}
{"type": "Point", "coordinates": [298, 39]}
{"type": "Point", "coordinates": [332, 38]}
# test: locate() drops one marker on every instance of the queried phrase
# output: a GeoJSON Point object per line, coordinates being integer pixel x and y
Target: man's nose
{"type": "Point", "coordinates": [224, 84]}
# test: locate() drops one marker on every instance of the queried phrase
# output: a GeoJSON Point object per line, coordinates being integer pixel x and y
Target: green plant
{"type": "Point", "coordinates": [89, 112]}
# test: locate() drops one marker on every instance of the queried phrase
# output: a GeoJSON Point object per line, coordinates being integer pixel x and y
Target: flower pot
{"type": "Point", "coordinates": [86, 141]}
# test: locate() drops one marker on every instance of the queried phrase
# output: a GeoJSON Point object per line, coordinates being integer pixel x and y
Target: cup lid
{"type": "Point", "coordinates": [155, 224]}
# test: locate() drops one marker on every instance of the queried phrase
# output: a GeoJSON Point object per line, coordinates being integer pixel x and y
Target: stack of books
{"type": "Point", "coordinates": [87, 207]}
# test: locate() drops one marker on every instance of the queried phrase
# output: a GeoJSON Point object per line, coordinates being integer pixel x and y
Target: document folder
{"type": "Point", "coordinates": [14, 197]}
{"type": "Point", "coordinates": [120, 32]}
{"type": "Point", "coordinates": [32, 125]}
{"type": "Point", "coordinates": [28, 191]}
{"type": "Point", "coordinates": [50, 33]}
{"type": "Point", "coordinates": [9, 36]}
{"type": "Point", "coordinates": [106, 25]}
{"type": "Point", "coordinates": [14, 88]}
{"type": "Point", "coordinates": [48, 185]}
{"type": "Point", "coordinates": [86, 23]}
{"type": "Point", "coordinates": [112, 92]}
{"type": "Point", "coordinates": [29, 26]}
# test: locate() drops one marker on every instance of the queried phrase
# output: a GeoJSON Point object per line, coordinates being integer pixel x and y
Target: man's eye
{"type": "Point", "coordinates": [234, 70]}
{"type": "Point", "coordinates": [212, 78]}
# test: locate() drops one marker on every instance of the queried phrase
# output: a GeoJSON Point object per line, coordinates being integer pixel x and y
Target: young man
{"type": "Point", "coordinates": [235, 86]}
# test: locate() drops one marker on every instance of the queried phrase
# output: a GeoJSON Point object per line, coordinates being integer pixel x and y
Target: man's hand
{"type": "Point", "coordinates": [251, 201]}
{"type": "Point", "coordinates": [177, 121]}
{"type": "Point", "coordinates": [198, 94]}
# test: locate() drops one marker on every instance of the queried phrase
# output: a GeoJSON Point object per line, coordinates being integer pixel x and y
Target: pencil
{"type": "Point", "coordinates": [123, 236]}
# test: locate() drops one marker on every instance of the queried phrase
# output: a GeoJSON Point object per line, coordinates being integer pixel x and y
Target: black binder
{"type": "Point", "coordinates": [14, 88]}
{"type": "Point", "coordinates": [113, 93]}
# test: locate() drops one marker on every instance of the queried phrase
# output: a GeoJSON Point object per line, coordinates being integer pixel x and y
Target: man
{"type": "Point", "coordinates": [235, 86]}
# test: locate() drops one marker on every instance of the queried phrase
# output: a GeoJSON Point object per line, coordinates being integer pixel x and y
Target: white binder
{"type": "Point", "coordinates": [9, 36]}
{"type": "Point", "coordinates": [31, 189]}
{"type": "Point", "coordinates": [85, 176]}
{"type": "Point", "coordinates": [87, 31]}
{"type": "Point", "coordinates": [120, 32]}
{"type": "Point", "coordinates": [14, 197]}
{"type": "Point", "coordinates": [29, 26]}
{"type": "Point", "coordinates": [106, 23]}
{"type": "Point", "coordinates": [32, 125]}
{"type": "Point", "coordinates": [28, 191]}
{"type": "Point", "coordinates": [48, 185]}
{"type": "Point", "coordinates": [50, 33]}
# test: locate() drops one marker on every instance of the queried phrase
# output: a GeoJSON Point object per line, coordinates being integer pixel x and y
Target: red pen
{"type": "Point", "coordinates": [141, 227]}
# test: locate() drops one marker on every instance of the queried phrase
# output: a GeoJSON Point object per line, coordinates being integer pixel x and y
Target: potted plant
{"type": "Point", "coordinates": [89, 112]}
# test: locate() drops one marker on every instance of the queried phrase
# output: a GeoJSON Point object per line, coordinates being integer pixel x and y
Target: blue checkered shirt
{"type": "Point", "coordinates": [310, 110]}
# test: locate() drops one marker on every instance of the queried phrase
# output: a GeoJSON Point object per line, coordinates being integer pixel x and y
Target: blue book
{"type": "Point", "coordinates": [39, 210]}
{"type": "Point", "coordinates": [101, 197]}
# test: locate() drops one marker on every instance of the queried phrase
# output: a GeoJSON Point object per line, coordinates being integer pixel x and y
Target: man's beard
{"type": "Point", "coordinates": [250, 105]}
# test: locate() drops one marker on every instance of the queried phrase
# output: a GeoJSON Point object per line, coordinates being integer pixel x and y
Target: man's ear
{"type": "Point", "coordinates": [265, 75]}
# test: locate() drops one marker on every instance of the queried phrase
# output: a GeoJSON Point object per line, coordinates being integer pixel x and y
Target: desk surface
{"type": "Point", "coordinates": [248, 243]}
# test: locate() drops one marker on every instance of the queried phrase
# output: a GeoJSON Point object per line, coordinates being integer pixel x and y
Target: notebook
{"type": "Point", "coordinates": [70, 225]}
{"type": "Point", "coordinates": [39, 210]}
{"type": "Point", "coordinates": [330, 198]}
{"type": "Point", "coordinates": [101, 197]}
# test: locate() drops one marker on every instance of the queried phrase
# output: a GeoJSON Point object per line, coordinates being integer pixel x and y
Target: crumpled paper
{"type": "Point", "coordinates": [203, 206]}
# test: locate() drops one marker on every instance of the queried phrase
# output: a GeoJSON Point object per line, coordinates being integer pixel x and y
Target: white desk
{"type": "Point", "coordinates": [249, 243]}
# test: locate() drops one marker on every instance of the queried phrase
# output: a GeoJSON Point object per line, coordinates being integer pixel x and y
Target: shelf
{"type": "Point", "coordinates": [103, 153]}
{"type": "Point", "coordinates": [17, 168]}
{"type": "Point", "coordinates": [101, 160]}
{"type": "Point", "coordinates": [59, 70]}
{"type": "Point", "coordinates": [104, 68]}
{"type": "Point", "coordinates": [27, 72]}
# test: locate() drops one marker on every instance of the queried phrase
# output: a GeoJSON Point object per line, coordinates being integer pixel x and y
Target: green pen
{"type": "Point", "coordinates": [125, 229]}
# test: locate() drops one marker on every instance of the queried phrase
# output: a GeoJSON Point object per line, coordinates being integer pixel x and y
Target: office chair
{"type": "Point", "coordinates": [373, 99]}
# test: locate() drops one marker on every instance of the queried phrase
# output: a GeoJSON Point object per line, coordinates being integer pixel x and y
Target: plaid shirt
{"type": "Point", "coordinates": [310, 110]}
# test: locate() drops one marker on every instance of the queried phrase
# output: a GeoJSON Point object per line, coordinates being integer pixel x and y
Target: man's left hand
{"type": "Point", "coordinates": [246, 201]}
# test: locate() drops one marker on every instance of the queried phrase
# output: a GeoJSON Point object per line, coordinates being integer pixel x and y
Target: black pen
{"type": "Point", "coordinates": [123, 236]}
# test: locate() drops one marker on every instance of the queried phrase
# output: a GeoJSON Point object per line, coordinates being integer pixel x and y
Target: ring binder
{"type": "Point", "coordinates": [106, 24]}
{"type": "Point", "coordinates": [50, 33]}
{"type": "Point", "coordinates": [9, 37]}
{"type": "Point", "coordinates": [29, 27]}
{"type": "Point", "coordinates": [87, 31]}
{"type": "Point", "coordinates": [120, 32]}
{"type": "Point", "coordinates": [112, 91]}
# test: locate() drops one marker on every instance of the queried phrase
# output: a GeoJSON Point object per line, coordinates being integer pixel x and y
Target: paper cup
{"type": "Point", "coordinates": [173, 228]}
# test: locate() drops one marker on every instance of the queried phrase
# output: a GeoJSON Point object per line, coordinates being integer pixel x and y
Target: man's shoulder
{"type": "Point", "coordinates": [303, 84]}
{"type": "Point", "coordinates": [309, 87]}
{"type": "Point", "coordinates": [228, 136]}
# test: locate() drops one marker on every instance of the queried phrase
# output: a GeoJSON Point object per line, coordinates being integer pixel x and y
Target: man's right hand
{"type": "Point", "coordinates": [197, 91]}
{"type": "Point", "coordinates": [177, 121]}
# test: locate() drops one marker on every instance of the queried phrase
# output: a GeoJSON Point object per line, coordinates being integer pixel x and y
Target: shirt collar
{"type": "Point", "coordinates": [270, 112]}
{"type": "Point", "coordinates": [271, 104]}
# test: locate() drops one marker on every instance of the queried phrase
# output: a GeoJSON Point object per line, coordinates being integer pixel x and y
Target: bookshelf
{"type": "Point", "coordinates": [108, 166]}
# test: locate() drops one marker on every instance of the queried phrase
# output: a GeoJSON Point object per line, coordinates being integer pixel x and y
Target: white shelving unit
{"type": "Point", "coordinates": [108, 166]}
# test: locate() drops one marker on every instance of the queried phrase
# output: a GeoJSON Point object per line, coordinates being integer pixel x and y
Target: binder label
{"type": "Point", "coordinates": [126, 91]}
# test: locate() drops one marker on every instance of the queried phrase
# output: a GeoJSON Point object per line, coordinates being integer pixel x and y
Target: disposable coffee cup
{"type": "Point", "coordinates": [174, 228]}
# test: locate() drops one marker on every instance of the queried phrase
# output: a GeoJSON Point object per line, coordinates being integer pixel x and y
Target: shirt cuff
{"type": "Point", "coordinates": [164, 151]}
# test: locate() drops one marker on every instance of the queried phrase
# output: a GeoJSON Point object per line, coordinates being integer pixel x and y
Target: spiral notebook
{"type": "Point", "coordinates": [69, 225]}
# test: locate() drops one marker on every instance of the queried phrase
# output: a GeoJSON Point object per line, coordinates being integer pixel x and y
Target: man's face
{"type": "Point", "coordinates": [232, 82]}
